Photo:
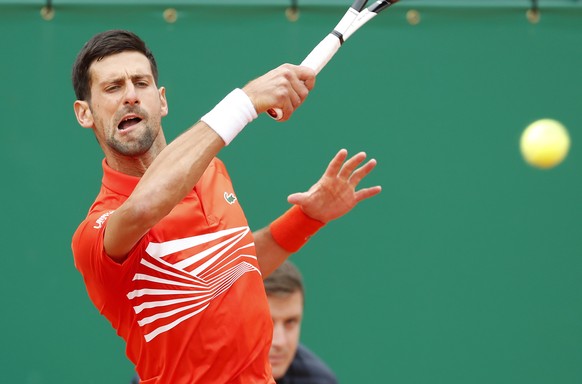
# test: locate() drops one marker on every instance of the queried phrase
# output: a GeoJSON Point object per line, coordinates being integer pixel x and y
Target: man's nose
{"type": "Point", "coordinates": [131, 97]}
{"type": "Point", "coordinates": [278, 334]}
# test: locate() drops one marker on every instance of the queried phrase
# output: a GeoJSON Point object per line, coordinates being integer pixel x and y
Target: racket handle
{"type": "Point", "coordinates": [322, 53]}
{"type": "Point", "coordinates": [316, 60]}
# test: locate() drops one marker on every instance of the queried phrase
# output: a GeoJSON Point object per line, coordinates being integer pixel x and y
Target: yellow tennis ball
{"type": "Point", "coordinates": [545, 143]}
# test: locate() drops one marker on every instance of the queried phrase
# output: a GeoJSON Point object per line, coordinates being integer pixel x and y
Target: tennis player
{"type": "Point", "coordinates": [165, 250]}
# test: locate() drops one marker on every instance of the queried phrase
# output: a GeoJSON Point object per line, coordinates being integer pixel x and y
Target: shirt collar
{"type": "Point", "coordinates": [118, 182]}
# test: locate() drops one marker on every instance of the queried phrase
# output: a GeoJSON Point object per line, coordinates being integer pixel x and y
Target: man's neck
{"type": "Point", "coordinates": [134, 165]}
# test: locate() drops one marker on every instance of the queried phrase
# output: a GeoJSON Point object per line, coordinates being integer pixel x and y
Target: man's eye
{"type": "Point", "coordinates": [291, 323]}
{"type": "Point", "coordinates": [112, 88]}
{"type": "Point", "coordinates": [142, 84]}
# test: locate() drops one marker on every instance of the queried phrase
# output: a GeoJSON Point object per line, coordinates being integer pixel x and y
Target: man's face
{"type": "Point", "coordinates": [126, 108]}
{"type": "Point", "coordinates": [286, 312]}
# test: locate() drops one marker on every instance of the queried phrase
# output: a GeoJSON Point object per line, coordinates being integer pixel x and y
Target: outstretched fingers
{"type": "Point", "coordinates": [335, 165]}
{"type": "Point", "coordinates": [348, 170]}
{"type": "Point", "coordinates": [366, 193]}
{"type": "Point", "coordinates": [349, 166]}
{"type": "Point", "coordinates": [335, 194]}
{"type": "Point", "coordinates": [359, 174]}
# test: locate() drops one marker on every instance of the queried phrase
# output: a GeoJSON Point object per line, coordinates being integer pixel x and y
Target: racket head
{"type": "Point", "coordinates": [367, 15]}
{"type": "Point", "coordinates": [381, 5]}
{"type": "Point", "coordinates": [358, 5]}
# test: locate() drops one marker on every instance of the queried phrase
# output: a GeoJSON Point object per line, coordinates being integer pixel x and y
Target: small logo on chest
{"type": "Point", "coordinates": [230, 198]}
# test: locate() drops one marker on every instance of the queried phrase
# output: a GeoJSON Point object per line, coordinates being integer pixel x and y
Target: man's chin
{"type": "Point", "coordinates": [278, 371]}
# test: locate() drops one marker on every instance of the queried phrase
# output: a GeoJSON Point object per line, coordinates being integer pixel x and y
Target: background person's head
{"type": "Point", "coordinates": [285, 293]}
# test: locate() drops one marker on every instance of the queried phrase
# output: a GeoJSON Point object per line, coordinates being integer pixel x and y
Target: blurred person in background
{"type": "Point", "coordinates": [291, 361]}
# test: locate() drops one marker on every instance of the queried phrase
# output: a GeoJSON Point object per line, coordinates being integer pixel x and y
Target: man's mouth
{"type": "Point", "coordinates": [276, 359]}
{"type": "Point", "coordinates": [128, 122]}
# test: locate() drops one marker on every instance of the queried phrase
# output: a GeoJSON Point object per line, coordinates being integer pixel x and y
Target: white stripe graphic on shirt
{"type": "Point", "coordinates": [170, 291]}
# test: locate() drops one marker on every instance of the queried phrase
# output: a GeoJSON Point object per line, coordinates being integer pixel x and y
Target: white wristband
{"type": "Point", "coordinates": [231, 115]}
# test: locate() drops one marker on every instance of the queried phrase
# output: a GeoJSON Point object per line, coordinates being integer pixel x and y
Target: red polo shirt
{"type": "Point", "coordinates": [189, 300]}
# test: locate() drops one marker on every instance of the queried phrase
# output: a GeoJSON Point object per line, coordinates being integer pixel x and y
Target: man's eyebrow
{"type": "Point", "coordinates": [121, 79]}
{"type": "Point", "coordinates": [142, 76]}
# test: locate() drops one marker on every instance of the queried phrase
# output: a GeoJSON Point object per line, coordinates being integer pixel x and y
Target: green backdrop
{"type": "Point", "coordinates": [466, 269]}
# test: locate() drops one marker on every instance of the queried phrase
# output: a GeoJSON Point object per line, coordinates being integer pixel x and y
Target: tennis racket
{"type": "Point", "coordinates": [356, 16]}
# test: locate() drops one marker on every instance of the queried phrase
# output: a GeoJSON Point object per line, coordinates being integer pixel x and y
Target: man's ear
{"type": "Point", "coordinates": [164, 101]}
{"type": "Point", "coordinates": [83, 113]}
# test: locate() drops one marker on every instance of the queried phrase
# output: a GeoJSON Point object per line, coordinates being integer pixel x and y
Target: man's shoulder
{"type": "Point", "coordinates": [89, 231]}
{"type": "Point", "coordinates": [308, 368]}
{"type": "Point", "coordinates": [215, 166]}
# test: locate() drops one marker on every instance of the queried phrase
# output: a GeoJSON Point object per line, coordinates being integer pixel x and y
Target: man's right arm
{"type": "Point", "coordinates": [166, 182]}
{"type": "Point", "coordinates": [179, 166]}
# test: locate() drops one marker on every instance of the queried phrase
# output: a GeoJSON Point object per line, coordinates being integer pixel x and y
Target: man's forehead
{"type": "Point", "coordinates": [119, 65]}
{"type": "Point", "coordinates": [286, 305]}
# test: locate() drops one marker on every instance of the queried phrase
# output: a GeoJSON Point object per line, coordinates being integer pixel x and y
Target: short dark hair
{"type": "Point", "coordinates": [285, 280]}
{"type": "Point", "coordinates": [102, 45]}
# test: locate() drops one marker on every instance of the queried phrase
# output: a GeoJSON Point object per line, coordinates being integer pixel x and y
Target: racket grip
{"type": "Point", "coordinates": [316, 60]}
{"type": "Point", "coordinates": [322, 53]}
